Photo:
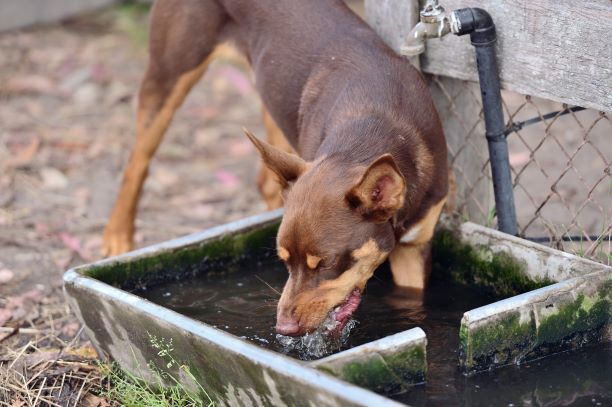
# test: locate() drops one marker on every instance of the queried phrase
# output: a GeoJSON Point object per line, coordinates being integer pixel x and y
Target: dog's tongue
{"type": "Point", "coordinates": [350, 306]}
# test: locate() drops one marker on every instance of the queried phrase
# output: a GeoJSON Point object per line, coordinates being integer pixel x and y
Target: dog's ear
{"type": "Point", "coordinates": [379, 192]}
{"type": "Point", "coordinates": [288, 167]}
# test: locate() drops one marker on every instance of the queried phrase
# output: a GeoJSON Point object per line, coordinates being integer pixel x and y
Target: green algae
{"type": "Point", "coordinates": [382, 373]}
{"type": "Point", "coordinates": [508, 340]}
{"type": "Point", "coordinates": [373, 373]}
{"type": "Point", "coordinates": [498, 274]}
{"type": "Point", "coordinates": [463, 336]}
{"type": "Point", "coordinates": [410, 365]}
{"type": "Point", "coordinates": [583, 314]}
{"type": "Point", "coordinates": [226, 253]}
{"type": "Point", "coordinates": [495, 341]}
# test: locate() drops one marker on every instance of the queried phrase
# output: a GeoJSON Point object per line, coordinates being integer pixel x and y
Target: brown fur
{"type": "Point", "coordinates": [371, 156]}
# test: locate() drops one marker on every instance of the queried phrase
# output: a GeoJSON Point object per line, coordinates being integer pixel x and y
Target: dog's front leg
{"type": "Point", "coordinates": [411, 259]}
{"type": "Point", "coordinates": [411, 265]}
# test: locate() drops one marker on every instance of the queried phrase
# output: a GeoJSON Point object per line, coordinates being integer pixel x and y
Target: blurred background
{"type": "Point", "coordinates": [69, 72]}
{"type": "Point", "coordinates": [67, 127]}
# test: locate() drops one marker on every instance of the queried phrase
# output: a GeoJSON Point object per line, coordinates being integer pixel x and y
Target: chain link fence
{"type": "Point", "coordinates": [560, 157]}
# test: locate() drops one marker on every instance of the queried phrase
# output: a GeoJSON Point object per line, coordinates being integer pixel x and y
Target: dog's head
{"type": "Point", "coordinates": [334, 233]}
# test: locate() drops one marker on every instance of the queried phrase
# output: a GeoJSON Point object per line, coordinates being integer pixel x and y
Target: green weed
{"type": "Point", "coordinates": [131, 390]}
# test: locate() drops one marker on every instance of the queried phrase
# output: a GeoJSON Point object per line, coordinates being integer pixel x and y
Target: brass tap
{"type": "Point", "coordinates": [434, 24]}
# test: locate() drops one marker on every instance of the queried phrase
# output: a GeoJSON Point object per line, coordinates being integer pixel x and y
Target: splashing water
{"type": "Point", "coordinates": [322, 342]}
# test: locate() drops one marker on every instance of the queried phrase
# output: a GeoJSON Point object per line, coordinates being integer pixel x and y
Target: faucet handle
{"type": "Point", "coordinates": [434, 24]}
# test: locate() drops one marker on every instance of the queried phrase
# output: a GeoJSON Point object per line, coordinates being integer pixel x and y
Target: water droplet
{"type": "Point", "coordinates": [319, 343]}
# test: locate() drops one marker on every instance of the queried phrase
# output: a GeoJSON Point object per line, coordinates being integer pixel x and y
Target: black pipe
{"type": "Point", "coordinates": [480, 26]}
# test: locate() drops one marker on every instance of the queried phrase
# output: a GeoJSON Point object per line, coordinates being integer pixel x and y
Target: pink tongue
{"type": "Point", "coordinates": [350, 306]}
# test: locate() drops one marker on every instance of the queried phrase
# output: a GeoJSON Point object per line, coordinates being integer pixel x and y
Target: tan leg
{"type": "Point", "coordinates": [118, 235]}
{"type": "Point", "coordinates": [410, 259]}
{"type": "Point", "coordinates": [269, 186]}
{"type": "Point", "coordinates": [409, 265]}
{"type": "Point", "coordinates": [174, 67]}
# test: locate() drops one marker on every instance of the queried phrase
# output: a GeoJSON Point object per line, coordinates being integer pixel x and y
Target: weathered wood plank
{"type": "Point", "coordinates": [555, 49]}
{"type": "Point", "coordinates": [21, 13]}
{"type": "Point", "coordinates": [393, 20]}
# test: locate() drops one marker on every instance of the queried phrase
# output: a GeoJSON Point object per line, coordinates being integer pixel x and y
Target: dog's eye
{"type": "Point", "coordinates": [313, 261]}
{"type": "Point", "coordinates": [283, 253]}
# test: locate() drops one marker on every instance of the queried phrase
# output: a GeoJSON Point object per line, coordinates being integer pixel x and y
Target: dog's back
{"type": "Point", "coordinates": [287, 42]}
{"type": "Point", "coordinates": [340, 69]}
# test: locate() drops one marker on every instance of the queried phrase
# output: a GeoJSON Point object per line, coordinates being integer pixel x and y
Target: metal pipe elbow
{"type": "Point", "coordinates": [415, 41]}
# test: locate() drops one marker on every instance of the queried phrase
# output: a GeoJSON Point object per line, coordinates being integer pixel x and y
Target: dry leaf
{"type": "Point", "coordinates": [227, 178]}
{"type": "Point", "coordinates": [70, 329]}
{"type": "Point", "coordinates": [74, 244]}
{"type": "Point", "coordinates": [53, 178]}
{"type": "Point", "coordinates": [6, 275]}
{"type": "Point", "coordinates": [18, 403]}
{"type": "Point", "coordinates": [91, 400]}
{"type": "Point", "coordinates": [21, 306]}
{"type": "Point", "coordinates": [24, 156]}
{"type": "Point", "coordinates": [87, 351]}
{"type": "Point", "coordinates": [30, 84]}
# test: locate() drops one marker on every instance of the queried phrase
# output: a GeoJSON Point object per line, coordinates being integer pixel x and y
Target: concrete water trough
{"type": "Point", "coordinates": [554, 301]}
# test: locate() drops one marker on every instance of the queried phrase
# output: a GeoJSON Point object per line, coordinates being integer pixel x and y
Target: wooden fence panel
{"type": "Point", "coordinates": [555, 49]}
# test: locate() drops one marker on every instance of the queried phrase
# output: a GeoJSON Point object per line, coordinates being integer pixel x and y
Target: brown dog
{"type": "Point", "coordinates": [371, 176]}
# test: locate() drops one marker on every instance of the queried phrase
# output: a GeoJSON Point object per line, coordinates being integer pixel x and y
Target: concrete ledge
{"type": "Point", "coordinates": [385, 366]}
{"type": "Point", "coordinates": [540, 262]}
{"type": "Point", "coordinates": [548, 320]}
{"type": "Point", "coordinates": [501, 264]}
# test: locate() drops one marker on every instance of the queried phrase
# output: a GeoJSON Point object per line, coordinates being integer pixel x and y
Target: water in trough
{"type": "Point", "coordinates": [244, 304]}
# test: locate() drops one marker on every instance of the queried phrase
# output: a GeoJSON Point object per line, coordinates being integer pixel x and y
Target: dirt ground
{"type": "Point", "coordinates": [66, 129]}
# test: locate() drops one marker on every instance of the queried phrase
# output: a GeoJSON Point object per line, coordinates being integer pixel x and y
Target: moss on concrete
{"type": "Point", "coordinates": [382, 373]}
{"type": "Point", "coordinates": [499, 274]}
{"type": "Point", "coordinates": [409, 365]}
{"type": "Point", "coordinates": [225, 253]}
{"type": "Point", "coordinates": [463, 341]}
{"type": "Point", "coordinates": [495, 341]}
{"type": "Point", "coordinates": [508, 340]}
{"type": "Point", "coordinates": [372, 373]}
{"type": "Point", "coordinates": [584, 314]}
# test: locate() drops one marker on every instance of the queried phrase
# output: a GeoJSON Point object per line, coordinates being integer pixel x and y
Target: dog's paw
{"type": "Point", "coordinates": [116, 242]}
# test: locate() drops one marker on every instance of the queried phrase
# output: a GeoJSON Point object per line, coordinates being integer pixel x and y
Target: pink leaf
{"type": "Point", "coordinates": [6, 275]}
{"type": "Point", "coordinates": [73, 244]}
{"type": "Point", "coordinates": [238, 79]}
{"type": "Point", "coordinates": [226, 178]}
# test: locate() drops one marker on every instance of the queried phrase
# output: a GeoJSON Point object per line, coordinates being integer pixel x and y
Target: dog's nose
{"type": "Point", "coordinates": [287, 326]}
